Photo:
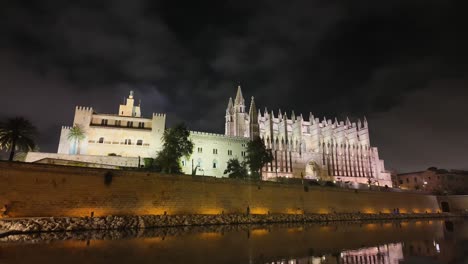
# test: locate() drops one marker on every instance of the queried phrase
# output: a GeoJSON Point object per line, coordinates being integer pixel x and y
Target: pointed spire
{"type": "Point", "coordinates": [365, 122]}
{"type": "Point", "coordinates": [280, 115]}
{"type": "Point", "coordinates": [239, 98]}
{"type": "Point", "coordinates": [131, 94]}
{"type": "Point", "coordinates": [253, 126]}
{"type": "Point", "coordinates": [253, 109]}
{"type": "Point", "coordinates": [229, 107]}
{"type": "Point", "coordinates": [300, 117]}
{"type": "Point", "coordinates": [348, 123]}
{"type": "Point", "coordinates": [265, 113]}
{"type": "Point", "coordinates": [359, 125]}
{"type": "Point", "coordinates": [336, 121]}
{"type": "Point", "coordinates": [285, 116]}
{"type": "Point", "coordinates": [293, 116]}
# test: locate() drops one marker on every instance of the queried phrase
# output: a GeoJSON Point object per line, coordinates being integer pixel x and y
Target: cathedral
{"type": "Point", "coordinates": [327, 150]}
{"type": "Point", "coordinates": [302, 148]}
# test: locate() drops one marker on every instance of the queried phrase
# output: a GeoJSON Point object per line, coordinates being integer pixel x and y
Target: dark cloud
{"type": "Point", "coordinates": [397, 62]}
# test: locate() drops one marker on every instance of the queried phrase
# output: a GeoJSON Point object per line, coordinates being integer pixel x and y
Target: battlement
{"type": "Point", "coordinates": [84, 108]}
{"type": "Point", "coordinates": [66, 127]}
{"type": "Point", "coordinates": [159, 114]}
{"type": "Point", "coordinates": [236, 138]}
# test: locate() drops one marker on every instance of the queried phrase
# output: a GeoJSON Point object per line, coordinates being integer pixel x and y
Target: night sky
{"type": "Point", "coordinates": [402, 64]}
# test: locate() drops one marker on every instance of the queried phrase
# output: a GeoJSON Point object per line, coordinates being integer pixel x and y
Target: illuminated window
{"type": "Point", "coordinates": [101, 140]}
{"type": "Point", "coordinates": [139, 142]}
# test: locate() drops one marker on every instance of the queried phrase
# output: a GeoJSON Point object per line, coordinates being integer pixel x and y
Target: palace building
{"type": "Point", "coordinates": [302, 148]}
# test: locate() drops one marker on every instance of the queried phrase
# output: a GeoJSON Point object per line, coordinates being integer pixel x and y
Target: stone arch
{"type": "Point", "coordinates": [312, 170]}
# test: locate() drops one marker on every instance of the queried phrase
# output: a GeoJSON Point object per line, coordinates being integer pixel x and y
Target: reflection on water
{"type": "Point", "coordinates": [425, 241]}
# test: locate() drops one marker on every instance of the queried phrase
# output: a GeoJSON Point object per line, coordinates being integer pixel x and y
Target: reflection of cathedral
{"type": "Point", "coordinates": [388, 254]}
{"type": "Point", "coordinates": [310, 148]}
{"type": "Point", "coordinates": [383, 254]}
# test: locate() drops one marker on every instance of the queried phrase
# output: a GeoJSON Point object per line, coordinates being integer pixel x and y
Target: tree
{"type": "Point", "coordinates": [176, 144]}
{"type": "Point", "coordinates": [257, 157]}
{"type": "Point", "coordinates": [17, 134]}
{"type": "Point", "coordinates": [236, 169]}
{"type": "Point", "coordinates": [76, 135]}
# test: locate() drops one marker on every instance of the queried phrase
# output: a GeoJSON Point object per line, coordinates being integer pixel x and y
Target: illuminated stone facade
{"type": "Point", "coordinates": [327, 150]}
{"type": "Point", "coordinates": [310, 148]}
{"type": "Point", "coordinates": [128, 135]}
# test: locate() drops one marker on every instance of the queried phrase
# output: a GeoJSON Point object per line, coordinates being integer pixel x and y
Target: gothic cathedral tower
{"type": "Point", "coordinates": [254, 129]}
{"type": "Point", "coordinates": [237, 119]}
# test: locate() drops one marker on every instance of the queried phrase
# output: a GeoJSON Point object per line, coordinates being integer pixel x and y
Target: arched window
{"type": "Point", "coordinates": [101, 140]}
{"type": "Point", "coordinates": [128, 142]}
{"type": "Point", "coordinates": [215, 164]}
{"type": "Point", "coordinates": [139, 142]}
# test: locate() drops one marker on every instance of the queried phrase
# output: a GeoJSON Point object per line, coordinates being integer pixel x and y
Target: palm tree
{"type": "Point", "coordinates": [76, 134]}
{"type": "Point", "coordinates": [17, 134]}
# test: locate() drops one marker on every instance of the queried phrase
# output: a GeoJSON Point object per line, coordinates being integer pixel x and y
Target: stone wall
{"type": "Point", "coordinates": [48, 190]}
{"type": "Point", "coordinates": [456, 203]}
{"type": "Point", "coordinates": [105, 160]}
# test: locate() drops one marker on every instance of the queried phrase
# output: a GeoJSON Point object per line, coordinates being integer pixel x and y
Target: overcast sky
{"type": "Point", "coordinates": [402, 64]}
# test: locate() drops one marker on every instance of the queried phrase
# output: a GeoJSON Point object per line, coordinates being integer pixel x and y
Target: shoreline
{"type": "Point", "coordinates": [14, 226]}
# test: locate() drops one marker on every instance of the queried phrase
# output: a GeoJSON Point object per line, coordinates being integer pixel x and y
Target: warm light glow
{"type": "Point", "coordinates": [295, 230]}
{"type": "Point", "coordinates": [259, 232]}
{"type": "Point", "coordinates": [210, 235]}
{"type": "Point", "coordinates": [259, 210]}
{"type": "Point", "coordinates": [211, 211]}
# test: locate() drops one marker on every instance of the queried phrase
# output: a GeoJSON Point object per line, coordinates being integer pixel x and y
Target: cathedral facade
{"type": "Point", "coordinates": [309, 148]}
{"type": "Point", "coordinates": [338, 151]}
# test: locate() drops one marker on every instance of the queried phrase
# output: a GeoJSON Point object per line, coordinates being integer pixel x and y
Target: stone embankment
{"type": "Point", "coordinates": [54, 224]}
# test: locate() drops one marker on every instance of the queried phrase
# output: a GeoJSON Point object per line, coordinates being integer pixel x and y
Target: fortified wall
{"type": "Point", "coordinates": [50, 190]}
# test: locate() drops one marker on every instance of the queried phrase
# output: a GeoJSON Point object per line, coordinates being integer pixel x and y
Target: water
{"type": "Point", "coordinates": [425, 241]}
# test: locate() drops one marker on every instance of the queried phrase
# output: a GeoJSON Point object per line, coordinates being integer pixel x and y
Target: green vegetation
{"type": "Point", "coordinates": [176, 144]}
{"type": "Point", "coordinates": [236, 169]}
{"type": "Point", "coordinates": [76, 135]}
{"type": "Point", "coordinates": [257, 157]}
{"type": "Point", "coordinates": [17, 134]}
{"type": "Point", "coordinates": [148, 162]}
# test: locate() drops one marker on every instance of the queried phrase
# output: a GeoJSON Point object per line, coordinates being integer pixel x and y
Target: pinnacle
{"type": "Point", "coordinates": [239, 98]}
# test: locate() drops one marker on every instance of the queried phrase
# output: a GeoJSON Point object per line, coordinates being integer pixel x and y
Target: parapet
{"type": "Point", "coordinates": [221, 136]}
{"type": "Point", "coordinates": [159, 114]}
{"type": "Point", "coordinates": [84, 108]}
